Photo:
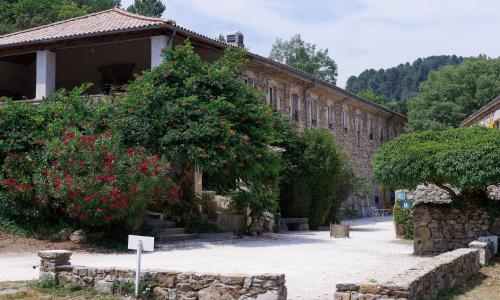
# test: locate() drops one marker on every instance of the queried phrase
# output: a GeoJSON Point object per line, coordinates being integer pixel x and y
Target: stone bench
{"type": "Point", "coordinates": [294, 224]}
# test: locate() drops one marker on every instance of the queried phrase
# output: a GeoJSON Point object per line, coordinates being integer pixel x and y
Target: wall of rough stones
{"type": "Point", "coordinates": [439, 228]}
{"type": "Point", "coordinates": [426, 281]}
{"type": "Point", "coordinates": [163, 284]}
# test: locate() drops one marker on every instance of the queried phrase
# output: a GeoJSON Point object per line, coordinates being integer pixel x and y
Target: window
{"type": "Point", "coordinates": [381, 132]}
{"type": "Point", "coordinates": [345, 121]}
{"type": "Point", "coordinates": [273, 97]}
{"type": "Point", "coordinates": [314, 113]}
{"type": "Point", "coordinates": [330, 116]}
{"type": "Point", "coordinates": [249, 82]}
{"type": "Point", "coordinates": [370, 129]}
{"type": "Point", "coordinates": [358, 132]}
{"type": "Point", "coordinates": [390, 131]}
{"type": "Point", "coordinates": [295, 107]}
{"type": "Point", "coordinates": [307, 107]}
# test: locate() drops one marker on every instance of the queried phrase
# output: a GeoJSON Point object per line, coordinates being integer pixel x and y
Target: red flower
{"type": "Point", "coordinates": [143, 167]}
{"type": "Point", "coordinates": [41, 142]}
{"type": "Point", "coordinates": [133, 189]}
{"type": "Point", "coordinates": [57, 183]}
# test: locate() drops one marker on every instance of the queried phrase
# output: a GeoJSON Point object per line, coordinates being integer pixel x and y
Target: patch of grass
{"type": "Point", "coordinates": [203, 227]}
{"type": "Point", "coordinates": [40, 288]}
{"type": "Point", "coordinates": [9, 226]}
{"type": "Point", "coordinates": [123, 288]}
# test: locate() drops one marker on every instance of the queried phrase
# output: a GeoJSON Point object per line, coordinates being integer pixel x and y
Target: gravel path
{"type": "Point", "coordinates": [312, 262]}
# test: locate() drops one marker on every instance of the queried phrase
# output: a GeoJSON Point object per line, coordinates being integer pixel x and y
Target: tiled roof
{"type": "Point", "coordinates": [110, 20]}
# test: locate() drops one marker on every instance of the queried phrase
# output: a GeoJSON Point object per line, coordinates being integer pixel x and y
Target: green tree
{"type": "Point", "coordinates": [149, 8]}
{"type": "Point", "coordinates": [401, 82]}
{"type": "Point", "coordinates": [452, 93]}
{"type": "Point", "coordinates": [18, 15]}
{"type": "Point", "coordinates": [464, 158]}
{"type": "Point", "coordinates": [370, 95]}
{"type": "Point", "coordinates": [311, 181]}
{"type": "Point", "coordinates": [201, 115]}
{"type": "Point", "coordinates": [304, 56]}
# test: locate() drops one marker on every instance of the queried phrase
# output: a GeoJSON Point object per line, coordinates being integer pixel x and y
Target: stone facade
{"type": "Point", "coordinates": [426, 281]}
{"type": "Point", "coordinates": [164, 284]}
{"type": "Point", "coordinates": [359, 128]}
{"type": "Point", "coordinates": [439, 228]}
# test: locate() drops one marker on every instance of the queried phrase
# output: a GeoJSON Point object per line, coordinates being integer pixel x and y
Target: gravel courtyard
{"type": "Point", "coordinates": [312, 262]}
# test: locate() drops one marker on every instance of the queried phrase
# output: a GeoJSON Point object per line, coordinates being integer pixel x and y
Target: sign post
{"type": "Point", "coordinates": [140, 243]}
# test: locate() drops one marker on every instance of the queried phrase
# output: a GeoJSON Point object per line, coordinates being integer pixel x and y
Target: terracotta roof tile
{"type": "Point", "coordinates": [101, 22]}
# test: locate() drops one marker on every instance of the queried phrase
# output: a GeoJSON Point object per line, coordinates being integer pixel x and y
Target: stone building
{"type": "Point", "coordinates": [107, 48]}
{"type": "Point", "coordinates": [488, 115]}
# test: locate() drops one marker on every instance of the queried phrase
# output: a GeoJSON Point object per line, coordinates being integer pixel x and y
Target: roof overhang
{"type": "Point", "coordinates": [482, 112]}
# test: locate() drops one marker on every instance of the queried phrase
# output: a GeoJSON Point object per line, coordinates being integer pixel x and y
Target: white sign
{"type": "Point", "coordinates": [140, 243]}
{"type": "Point", "coordinates": [148, 242]}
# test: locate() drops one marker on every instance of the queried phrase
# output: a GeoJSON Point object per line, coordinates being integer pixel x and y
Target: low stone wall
{"type": "Point", "coordinates": [163, 284]}
{"type": "Point", "coordinates": [426, 281]}
{"type": "Point", "coordinates": [439, 228]}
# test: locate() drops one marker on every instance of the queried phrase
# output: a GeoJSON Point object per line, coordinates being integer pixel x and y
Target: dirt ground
{"type": "Point", "coordinates": [311, 261]}
{"type": "Point", "coordinates": [486, 286]}
{"type": "Point", "coordinates": [14, 244]}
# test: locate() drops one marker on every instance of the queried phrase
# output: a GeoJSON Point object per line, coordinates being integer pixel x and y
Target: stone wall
{"type": "Point", "coordinates": [374, 125]}
{"type": "Point", "coordinates": [439, 228]}
{"type": "Point", "coordinates": [426, 281]}
{"type": "Point", "coordinates": [163, 284]}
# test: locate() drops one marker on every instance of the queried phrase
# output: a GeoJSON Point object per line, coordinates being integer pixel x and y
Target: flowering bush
{"type": "Point", "coordinates": [89, 180]}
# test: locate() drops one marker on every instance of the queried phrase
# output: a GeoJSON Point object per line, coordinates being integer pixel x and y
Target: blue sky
{"type": "Point", "coordinates": [359, 34]}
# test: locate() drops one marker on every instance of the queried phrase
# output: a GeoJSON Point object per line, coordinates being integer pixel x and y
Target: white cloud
{"type": "Point", "coordinates": [359, 34]}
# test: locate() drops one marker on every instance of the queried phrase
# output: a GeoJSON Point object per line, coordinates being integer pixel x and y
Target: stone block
{"type": "Point", "coordinates": [232, 280]}
{"type": "Point", "coordinates": [103, 286]}
{"type": "Point", "coordinates": [344, 287]}
{"type": "Point", "coordinates": [369, 288]}
{"type": "Point", "coordinates": [167, 280]}
{"type": "Point", "coordinates": [493, 239]}
{"type": "Point", "coordinates": [55, 255]}
{"type": "Point", "coordinates": [485, 253]}
{"type": "Point", "coordinates": [217, 293]}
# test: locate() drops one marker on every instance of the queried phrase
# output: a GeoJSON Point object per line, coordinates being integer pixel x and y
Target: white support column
{"type": "Point", "coordinates": [45, 73]}
{"type": "Point", "coordinates": [158, 43]}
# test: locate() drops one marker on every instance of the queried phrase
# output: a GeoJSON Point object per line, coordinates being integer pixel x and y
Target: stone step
{"type": "Point", "coordinates": [167, 231]}
{"type": "Point", "coordinates": [172, 238]}
{"type": "Point", "coordinates": [159, 224]}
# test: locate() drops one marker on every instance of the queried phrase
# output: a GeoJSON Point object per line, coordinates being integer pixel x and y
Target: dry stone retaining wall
{"type": "Point", "coordinates": [163, 284]}
{"type": "Point", "coordinates": [439, 228]}
{"type": "Point", "coordinates": [426, 281]}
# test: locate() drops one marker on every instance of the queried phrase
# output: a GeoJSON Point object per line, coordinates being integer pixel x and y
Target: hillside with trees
{"type": "Point", "coordinates": [401, 82]}
{"type": "Point", "coordinates": [452, 93]}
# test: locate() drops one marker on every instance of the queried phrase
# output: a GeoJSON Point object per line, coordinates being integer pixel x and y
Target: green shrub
{"type": "Point", "coordinates": [465, 158]}
{"type": "Point", "coordinates": [87, 180]}
{"type": "Point", "coordinates": [202, 115]}
{"type": "Point", "coordinates": [404, 218]}
{"type": "Point", "coordinates": [311, 181]}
